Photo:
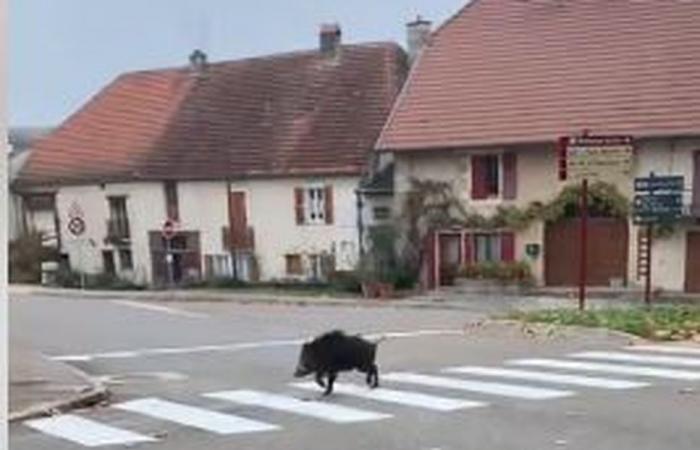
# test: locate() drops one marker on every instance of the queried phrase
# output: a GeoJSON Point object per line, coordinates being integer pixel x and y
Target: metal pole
{"type": "Point", "coordinates": [647, 287]}
{"type": "Point", "coordinates": [584, 238]}
{"type": "Point", "coordinates": [169, 262]}
{"type": "Point", "coordinates": [82, 269]}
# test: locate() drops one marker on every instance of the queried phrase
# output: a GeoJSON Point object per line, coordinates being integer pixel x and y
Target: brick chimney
{"type": "Point", "coordinates": [417, 36]}
{"type": "Point", "coordinates": [329, 39]}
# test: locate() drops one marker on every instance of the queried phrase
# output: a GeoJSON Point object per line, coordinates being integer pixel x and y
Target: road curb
{"type": "Point", "coordinates": [95, 393]}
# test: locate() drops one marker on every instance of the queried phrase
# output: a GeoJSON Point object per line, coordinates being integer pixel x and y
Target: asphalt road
{"type": "Point", "coordinates": [217, 376]}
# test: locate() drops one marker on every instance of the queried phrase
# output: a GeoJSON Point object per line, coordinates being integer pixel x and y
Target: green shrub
{"type": "Point", "coordinates": [346, 281]}
{"type": "Point", "coordinates": [26, 254]}
{"type": "Point", "coordinates": [506, 272]}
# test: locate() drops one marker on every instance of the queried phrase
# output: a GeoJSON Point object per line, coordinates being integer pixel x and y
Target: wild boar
{"type": "Point", "coordinates": [335, 352]}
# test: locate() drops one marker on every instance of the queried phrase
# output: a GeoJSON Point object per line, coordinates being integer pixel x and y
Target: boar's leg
{"type": "Point", "coordinates": [331, 380]}
{"type": "Point", "coordinates": [374, 375]}
{"type": "Point", "coordinates": [319, 379]}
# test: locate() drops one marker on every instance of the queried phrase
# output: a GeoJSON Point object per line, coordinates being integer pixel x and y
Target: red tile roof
{"type": "Point", "coordinates": [518, 71]}
{"type": "Point", "coordinates": [297, 113]}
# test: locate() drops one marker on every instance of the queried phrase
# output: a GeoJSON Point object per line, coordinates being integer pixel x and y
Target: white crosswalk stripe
{"type": "Point", "coordinates": [316, 409]}
{"type": "Point", "coordinates": [656, 372]}
{"type": "Point", "coordinates": [501, 389]}
{"type": "Point", "coordinates": [191, 416]}
{"type": "Point", "coordinates": [673, 349]}
{"type": "Point", "coordinates": [86, 432]}
{"type": "Point", "coordinates": [575, 380]}
{"type": "Point", "coordinates": [407, 398]}
{"type": "Point", "coordinates": [638, 358]}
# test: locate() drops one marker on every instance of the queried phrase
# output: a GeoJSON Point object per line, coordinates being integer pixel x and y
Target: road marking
{"type": "Point", "coordinates": [647, 359]}
{"type": "Point", "coordinates": [656, 372]}
{"type": "Point", "coordinates": [316, 409]}
{"type": "Point", "coordinates": [674, 349]}
{"type": "Point", "coordinates": [401, 397]}
{"type": "Point", "coordinates": [138, 353]}
{"type": "Point", "coordinates": [502, 389]}
{"type": "Point", "coordinates": [160, 308]}
{"type": "Point", "coordinates": [191, 416]}
{"type": "Point", "coordinates": [576, 380]}
{"type": "Point", "coordinates": [86, 432]}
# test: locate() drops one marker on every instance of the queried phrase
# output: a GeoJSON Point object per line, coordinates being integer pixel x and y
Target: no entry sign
{"type": "Point", "coordinates": [169, 229]}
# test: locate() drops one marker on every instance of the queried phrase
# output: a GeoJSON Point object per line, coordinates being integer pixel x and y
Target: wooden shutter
{"type": "Point", "coordinates": [696, 186]}
{"type": "Point", "coordinates": [299, 205]}
{"type": "Point", "coordinates": [479, 190]}
{"type": "Point", "coordinates": [507, 247]}
{"type": "Point", "coordinates": [328, 197]}
{"type": "Point", "coordinates": [510, 176]}
{"type": "Point", "coordinates": [468, 246]}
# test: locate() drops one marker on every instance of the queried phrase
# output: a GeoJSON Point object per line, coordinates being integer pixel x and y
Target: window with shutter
{"type": "Point", "coordinates": [507, 247]}
{"type": "Point", "coordinates": [510, 176]}
{"type": "Point", "coordinates": [486, 176]}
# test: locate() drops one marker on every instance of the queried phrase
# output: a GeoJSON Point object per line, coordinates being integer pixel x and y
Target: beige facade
{"type": "Point", "coordinates": [537, 180]}
{"type": "Point", "coordinates": [204, 209]}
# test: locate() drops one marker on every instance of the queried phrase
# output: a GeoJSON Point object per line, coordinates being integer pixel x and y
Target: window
{"type": "Point", "coordinates": [125, 259]}
{"type": "Point", "coordinates": [294, 266]}
{"type": "Point", "coordinates": [314, 205]}
{"type": "Point", "coordinates": [108, 266]}
{"type": "Point", "coordinates": [381, 212]}
{"type": "Point", "coordinates": [171, 200]}
{"type": "Point", "coordinates": [490, 247]}
{"type": "Point", "coordinates": [118, 224]}
{"type": "Point", "coordinates": [487, 248]}
{"type": "Point", "coordinates": [315, 267]}
{"type": "Point", "coordinates": [494, 176]}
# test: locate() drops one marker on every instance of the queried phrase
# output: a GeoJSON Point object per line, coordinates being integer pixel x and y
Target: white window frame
{"type": "Point", "coordinates": [315, 208]}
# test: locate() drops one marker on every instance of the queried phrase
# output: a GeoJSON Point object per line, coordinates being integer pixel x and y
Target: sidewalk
{"type": "Point", "coordinates": [40, 387]}
{"type": "Point", "coordinates": [485, 302]}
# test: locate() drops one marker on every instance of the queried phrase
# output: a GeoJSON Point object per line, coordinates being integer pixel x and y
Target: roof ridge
{"type": "Point", "coordinates": [271, 56]}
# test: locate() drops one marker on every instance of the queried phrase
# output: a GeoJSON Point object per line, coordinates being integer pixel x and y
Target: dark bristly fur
{"type": "Point", "coordinates": [335, 352]}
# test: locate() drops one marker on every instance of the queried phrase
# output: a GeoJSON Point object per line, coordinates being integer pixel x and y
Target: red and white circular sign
{"type": "Point", "coordinates": [169, 229]}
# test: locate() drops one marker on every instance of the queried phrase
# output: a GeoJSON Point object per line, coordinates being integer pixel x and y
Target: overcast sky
{"type": "Point", "coordinates": [63, 51]}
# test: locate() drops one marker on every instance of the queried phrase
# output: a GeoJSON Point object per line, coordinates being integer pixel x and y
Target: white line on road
{"type": "Point", "coordinates": [138, 353]}
{"type": "Point", "coordinates": [401, 397]}
{"type": "Point", "coordinates": [86, 432]}
{"type": "Point", "coordinates": [316, 409]}
{"type": "Point", "coordinates": [576, 380]}
{"type": "Point", "coordinates": [673, 349]}
{"type": "Point", "coordinates": [502, 389]}
{"type": "Point", "coordinates": [645, 359]}
{"type": "Point", "coordinates": [191, 416]}
{"type": "Point", "coordinates": [160, 308]}
{"type": "Point", "coordinates": [645, 371]}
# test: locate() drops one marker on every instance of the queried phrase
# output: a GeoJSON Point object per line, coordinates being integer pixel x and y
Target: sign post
{"type": "Point", "coordinates": [76, 227]}
{"type": "Point", "coordinates": [657, 200]}
{"type": "Point", "coordinates": [168, 232]}
{"type": "Point", "coordinates": [592, 157]}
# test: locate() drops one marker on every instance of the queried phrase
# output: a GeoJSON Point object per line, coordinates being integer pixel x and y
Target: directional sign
{"type": "Point", "coordinates": [76, 226]}
{"type": "Point", "coordinates": [674, 183]}
{"type": "Point", "coordinates": [598, 157]}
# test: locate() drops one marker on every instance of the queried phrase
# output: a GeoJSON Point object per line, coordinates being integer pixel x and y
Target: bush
{"type": "Point", "coordinates": [71, 279]}
{"type": "Point", "coordinates": [505, 272]}
{"type": "Point", "coordinates": [26, 254]}
{"type": "Point", "coordinates": [346, 281]}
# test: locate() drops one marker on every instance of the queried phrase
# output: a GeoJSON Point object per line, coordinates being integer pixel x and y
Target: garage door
{"type": "Point", "coordinates": [692, 262]}
{"type": "Point", "coordinates": [607, 251]}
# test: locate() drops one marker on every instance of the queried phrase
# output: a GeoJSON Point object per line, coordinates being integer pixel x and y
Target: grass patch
{"type": "Point", "coordinates": [659, 323]}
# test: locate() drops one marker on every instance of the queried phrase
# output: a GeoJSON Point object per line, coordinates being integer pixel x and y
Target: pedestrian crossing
{"type": "Point", "coordinates": [449, 391]}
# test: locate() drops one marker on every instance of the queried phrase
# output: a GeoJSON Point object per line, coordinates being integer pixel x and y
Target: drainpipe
{"type": "Point", "coordinates": [360, 223]}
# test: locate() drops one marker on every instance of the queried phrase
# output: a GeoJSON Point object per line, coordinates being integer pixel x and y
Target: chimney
{"type": "Point", "coordinates": [198, 61]}
{"type": "Point", "coordinates": [329, 39]}
{"type": "Point", "coordinates": [417, 36]}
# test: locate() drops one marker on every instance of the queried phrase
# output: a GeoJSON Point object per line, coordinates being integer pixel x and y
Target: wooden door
{"type": "Point", "coordinates": [692, 262]}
